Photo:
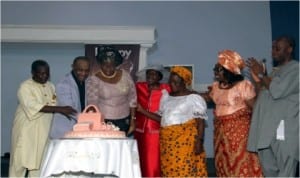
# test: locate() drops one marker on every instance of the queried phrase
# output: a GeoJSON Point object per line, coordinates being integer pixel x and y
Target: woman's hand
{"type": "Point", "coordinates": [199, 148]}
{"type": "Point", "coordinates": [131, 127]}
{"type": "Point", "coordinates": [140, 108]}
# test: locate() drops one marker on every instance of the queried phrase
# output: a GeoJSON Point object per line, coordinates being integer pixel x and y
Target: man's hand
{"type": "Point", "coordinates": [68, 111]}
{"type": "Point", "coordinates": [255, 67]}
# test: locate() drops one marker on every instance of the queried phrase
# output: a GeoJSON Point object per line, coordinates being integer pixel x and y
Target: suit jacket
{"type": "Point", "coordinates": [67, 95]}
{"type": "Point", "coordinates": [280, 102]}
{"type": "Point", "coordinates": [150, 102]}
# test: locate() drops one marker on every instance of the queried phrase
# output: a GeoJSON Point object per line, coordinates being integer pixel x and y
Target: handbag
{"type": "Point", "coordinates": [91, 115]}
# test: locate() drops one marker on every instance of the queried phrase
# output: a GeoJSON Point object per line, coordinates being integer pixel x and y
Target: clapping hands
{"type": "Point", "coordinates": [256, 68]}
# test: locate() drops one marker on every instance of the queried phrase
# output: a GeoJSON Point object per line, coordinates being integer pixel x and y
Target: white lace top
{"type": "Point", "coordinates": [180, 109]}
{"type": "Point", "coordinates": [112, 99]}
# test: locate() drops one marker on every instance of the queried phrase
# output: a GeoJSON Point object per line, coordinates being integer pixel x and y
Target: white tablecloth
{"type": "Point", "coordinates": [101, 156]}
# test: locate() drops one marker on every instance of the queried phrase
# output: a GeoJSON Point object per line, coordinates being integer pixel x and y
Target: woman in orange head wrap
{"type": "Point", "coordinates": [184, 73]}
{"type": "Point", "coordinates": [181, 115]}
{"type": "Point", "coordinates": [233, 98]}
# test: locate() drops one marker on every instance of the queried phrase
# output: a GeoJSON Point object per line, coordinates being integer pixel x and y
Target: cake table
{"type": "Point", "coordinates": [101, 156]}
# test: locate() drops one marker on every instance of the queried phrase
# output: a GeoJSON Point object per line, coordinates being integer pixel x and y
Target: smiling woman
{"type": "Point", "coordinates": [233, 98]}
{"type": "Point", "coordinates": [149, 92]}
{"type": "Point", "coordinates": [112, 90]}
{"type": "Point", "coordinates": [190, 67]}
{"type": "Point", "coordinates": [180, 111]}
{"type": "Point", "coordinates": [129, 53]}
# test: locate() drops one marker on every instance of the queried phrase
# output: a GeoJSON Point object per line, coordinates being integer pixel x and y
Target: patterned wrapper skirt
{"type": "Point", "coordinates": [230, 141]}
{"type": "Point", "coordinates": [177, 155]}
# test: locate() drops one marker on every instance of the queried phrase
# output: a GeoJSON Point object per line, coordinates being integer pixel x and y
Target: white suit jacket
{"type": "Point", "coordinates": [67, 95]}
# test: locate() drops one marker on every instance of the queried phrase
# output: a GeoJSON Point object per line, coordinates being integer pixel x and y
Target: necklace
{"type": "Point", "coordinates": [108, 76]}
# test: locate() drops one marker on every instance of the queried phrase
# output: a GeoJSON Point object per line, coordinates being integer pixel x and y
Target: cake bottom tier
{"type": "Point", "coordinates": [95, 134]}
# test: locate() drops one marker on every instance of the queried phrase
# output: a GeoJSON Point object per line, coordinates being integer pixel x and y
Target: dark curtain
{"type": "Point", "coordinates": [285, 21]}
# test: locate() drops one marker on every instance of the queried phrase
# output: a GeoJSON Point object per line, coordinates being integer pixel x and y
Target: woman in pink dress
{"type": "Point", "coordinates": [233, 98]}
{"type": "Point", "coordinates": [149, 92]}
{"type": "Point", "coordinates": [112, 90]}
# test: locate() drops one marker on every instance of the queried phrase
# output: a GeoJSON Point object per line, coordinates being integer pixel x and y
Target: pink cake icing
{"type": "Point", "coordinates": [91, 125]}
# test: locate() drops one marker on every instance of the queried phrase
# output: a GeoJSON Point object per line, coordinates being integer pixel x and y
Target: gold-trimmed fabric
{"type": "Point", "coordinates": [177, 155]}
{"type": "Point", "coordinates": [231, 61]}
{"type": "Point", "coordinates": [230, 141]}
{"type": "Point", "coordinates": [184, 73]}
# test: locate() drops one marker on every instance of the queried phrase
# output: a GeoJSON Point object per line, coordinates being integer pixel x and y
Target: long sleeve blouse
{"type": "Point", "coordinates": [112, 99]}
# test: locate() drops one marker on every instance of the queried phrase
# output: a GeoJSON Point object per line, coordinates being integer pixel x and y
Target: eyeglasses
{"type": "Point", "coordinates": [218, 69]}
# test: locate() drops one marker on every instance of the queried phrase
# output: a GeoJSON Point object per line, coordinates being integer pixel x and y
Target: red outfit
{"type": "Point", "coordinates": [147, 130]}
{"type": "Point", "coordinates": [231, 128]}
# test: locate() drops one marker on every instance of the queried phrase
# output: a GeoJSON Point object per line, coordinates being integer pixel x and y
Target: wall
{"type": "Point", "coordinates": [187, 33]}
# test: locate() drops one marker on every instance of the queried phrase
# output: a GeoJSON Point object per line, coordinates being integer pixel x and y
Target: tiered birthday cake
{"type": "Point", "coordinates": [91, 125]}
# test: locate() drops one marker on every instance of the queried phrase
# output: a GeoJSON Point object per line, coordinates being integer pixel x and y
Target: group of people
{"type": "Point", "coordinates": [256, 131]}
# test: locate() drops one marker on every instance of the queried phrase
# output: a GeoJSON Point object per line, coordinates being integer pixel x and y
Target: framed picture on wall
{"type": "Point", "coordinates": [188, 66]}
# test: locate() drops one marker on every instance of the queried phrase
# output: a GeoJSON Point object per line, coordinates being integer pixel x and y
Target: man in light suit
{"type": "Point", "coordinates": [274, 131]}
{"type": "Point", "coordinates": [70, 92]}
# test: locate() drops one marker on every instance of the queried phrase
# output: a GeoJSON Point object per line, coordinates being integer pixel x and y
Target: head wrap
{"type": "Point", "coordinates": [157, 67]}
{"type": "Point", "coordinates": [184, 73]}
{"type": "Point", "coordinates": [231, 61]}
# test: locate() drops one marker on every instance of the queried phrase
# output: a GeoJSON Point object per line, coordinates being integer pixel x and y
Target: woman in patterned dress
{"type": "Point", "coordinates": [182, 115]}
{"type": "Point", "coordinates": [233, 98]}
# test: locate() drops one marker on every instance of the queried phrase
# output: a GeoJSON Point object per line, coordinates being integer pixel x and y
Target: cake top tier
{"type": "Point", "coordinates": [91, 115]}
